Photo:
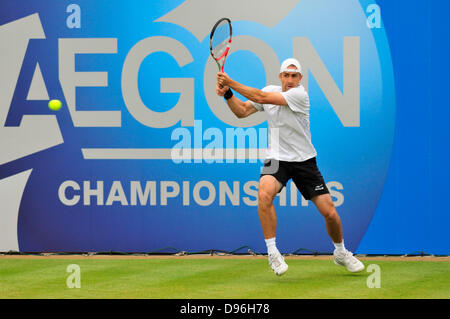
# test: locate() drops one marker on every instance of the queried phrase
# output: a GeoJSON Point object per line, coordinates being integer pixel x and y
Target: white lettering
{"type": "Point", "coordinates": [62, 193]}
{"type": "Point", "coordinates": [165, 193]}
{"type": "Point", "coordinates": [74, 279]}
{"type": "Point", "coordinates": [70, 79]}
{"type": "Point", "coordinates": [374, 19]}
{"type": "Point", "coordinates": [374, 280]}
{"type": "Point", "coordinates": [116, 194]}
{"type": "Point", "coordinates": [339, 197]}
{"type": "Point", "coordinates": [88, 192]}
{"type": "Point", "coordinates": [74, 19]}
{"type": "Point", "coordinates": [345, 104]}
{"type": "Point", "coordinates": [203, 192]}
{"type": "Point", "coordinates": [136, 191]}
{"type": "Point", "coordinates": [211, 193]}
{"type": "Point", "coordinates": [233, 196]}
{"type": "Point", "coordinates": [184, 109]}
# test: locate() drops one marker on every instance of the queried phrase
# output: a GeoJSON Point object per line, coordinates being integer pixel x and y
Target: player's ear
{"type": "Point", "coordinates": [279, 76]}
{"type": "Point", "coordinates": [301, 77]}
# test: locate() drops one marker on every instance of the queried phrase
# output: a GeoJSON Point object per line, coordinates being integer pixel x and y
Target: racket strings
{"type": "Point", "coordinates": [219, 50]}
{"type": "Point", "coordinates": [221, 40]}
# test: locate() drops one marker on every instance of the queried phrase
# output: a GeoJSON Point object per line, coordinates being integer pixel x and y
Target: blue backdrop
{"type": "Point", "coordinates": [411, 216]}
{"type": "Point", "coordinates": [107, 181]}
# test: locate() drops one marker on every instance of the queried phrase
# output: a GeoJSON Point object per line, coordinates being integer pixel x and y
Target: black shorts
{"type": "Point", "coordinates": [305, 175]}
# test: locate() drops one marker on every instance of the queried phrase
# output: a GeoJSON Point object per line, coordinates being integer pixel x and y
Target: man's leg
{"type": "Point", "coordinates": [332, 220]}
{"type": "Point", "coordinates": [268, 189]}
{"type": "Point", "coordinates": [342, 256]}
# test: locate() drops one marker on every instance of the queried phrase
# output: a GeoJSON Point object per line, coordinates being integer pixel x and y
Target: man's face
{"type": "Point", "coordinates": [289, 80]}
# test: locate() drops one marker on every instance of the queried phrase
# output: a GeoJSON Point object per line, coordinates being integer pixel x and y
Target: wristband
{"type": "Point", "coordinates": [228, 94]}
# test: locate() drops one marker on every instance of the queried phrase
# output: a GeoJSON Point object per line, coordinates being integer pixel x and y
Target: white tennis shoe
{"type": "Point", "coordinates": [347, 260]}
{"type": "Point", "coordinates": [279, 266]}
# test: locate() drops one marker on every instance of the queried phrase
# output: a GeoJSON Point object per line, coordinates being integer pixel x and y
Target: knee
{"type": "Point", "coordinates": [330, 213]}
{"type": "Point", "coordinates": [265, 198]}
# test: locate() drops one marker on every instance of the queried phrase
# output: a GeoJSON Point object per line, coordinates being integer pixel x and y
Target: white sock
{"type": "Point", "coordinates": [339, 246]}
{"type": "Point", "coordinates": [271, 246]}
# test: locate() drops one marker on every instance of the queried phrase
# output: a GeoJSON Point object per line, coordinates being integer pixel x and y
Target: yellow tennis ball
{"type": "Point", "coordinates": [54, 105]}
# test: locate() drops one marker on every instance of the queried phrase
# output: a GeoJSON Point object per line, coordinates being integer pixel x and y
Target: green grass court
{"type": "Point", "coordinates": [219, 278]}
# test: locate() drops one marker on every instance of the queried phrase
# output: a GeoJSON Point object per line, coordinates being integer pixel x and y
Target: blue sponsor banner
{"type": "Point", "coordinates": [143, 155]}
{"type": "Point", "coordinates": [411, 216]}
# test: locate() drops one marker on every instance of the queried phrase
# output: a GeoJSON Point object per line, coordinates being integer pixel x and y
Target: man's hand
{"type": "Point", "coordinates": [223, 79]}
{"type": "Point", "coordinates": [221, 90]}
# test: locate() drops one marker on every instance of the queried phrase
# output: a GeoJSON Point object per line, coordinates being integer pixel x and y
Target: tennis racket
{"type": "Point", "coordinates": [220, 41]}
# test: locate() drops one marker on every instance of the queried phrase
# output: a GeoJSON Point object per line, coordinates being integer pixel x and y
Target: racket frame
{"type": "Point", "coordinates": [223, 57]}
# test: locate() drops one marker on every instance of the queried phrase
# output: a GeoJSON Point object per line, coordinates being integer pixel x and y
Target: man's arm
{"type": "Point", "coordinates": [250, 93]}
{"type": "Point", "coordinates": [239, 108]}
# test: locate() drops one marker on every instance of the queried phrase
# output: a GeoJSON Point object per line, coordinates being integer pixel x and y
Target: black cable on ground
{"type": "Point", "coordinates": [249, 250]}
{"type": "Point", "coordinates": [418, 253]}
{"type": "Point", "coordinates": [111, 253]}
{"type": "Point", "coordinates": [169, 250]}
{"type": "Point", "coordinates": [165, 250]}
{"type": "Point", "coordinates": [308, 252]}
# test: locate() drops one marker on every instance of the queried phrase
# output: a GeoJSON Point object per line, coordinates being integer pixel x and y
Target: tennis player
{"type": "Point", "coordinates": [291, 155]}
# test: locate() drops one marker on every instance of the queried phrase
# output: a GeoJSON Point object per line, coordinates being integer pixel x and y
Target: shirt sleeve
{"type": "Point", "coordinates": [297, 100]}
{"type": "Point", "coordinates": [258, 106]}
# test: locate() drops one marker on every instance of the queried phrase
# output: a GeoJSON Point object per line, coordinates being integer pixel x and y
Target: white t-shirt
{"type": "Point", "coordinates": [289, 134]}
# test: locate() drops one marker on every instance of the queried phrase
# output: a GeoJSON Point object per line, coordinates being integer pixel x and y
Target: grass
{"type": "Point", "coordinates": [218, 278]}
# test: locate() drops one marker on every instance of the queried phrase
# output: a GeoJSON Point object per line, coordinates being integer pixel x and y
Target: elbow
{"type": "Point", "coordinates": [242, 114]}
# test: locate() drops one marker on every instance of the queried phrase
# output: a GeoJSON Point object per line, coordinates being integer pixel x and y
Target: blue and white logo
{"type": "Point", "coordinates": [138, 80]}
